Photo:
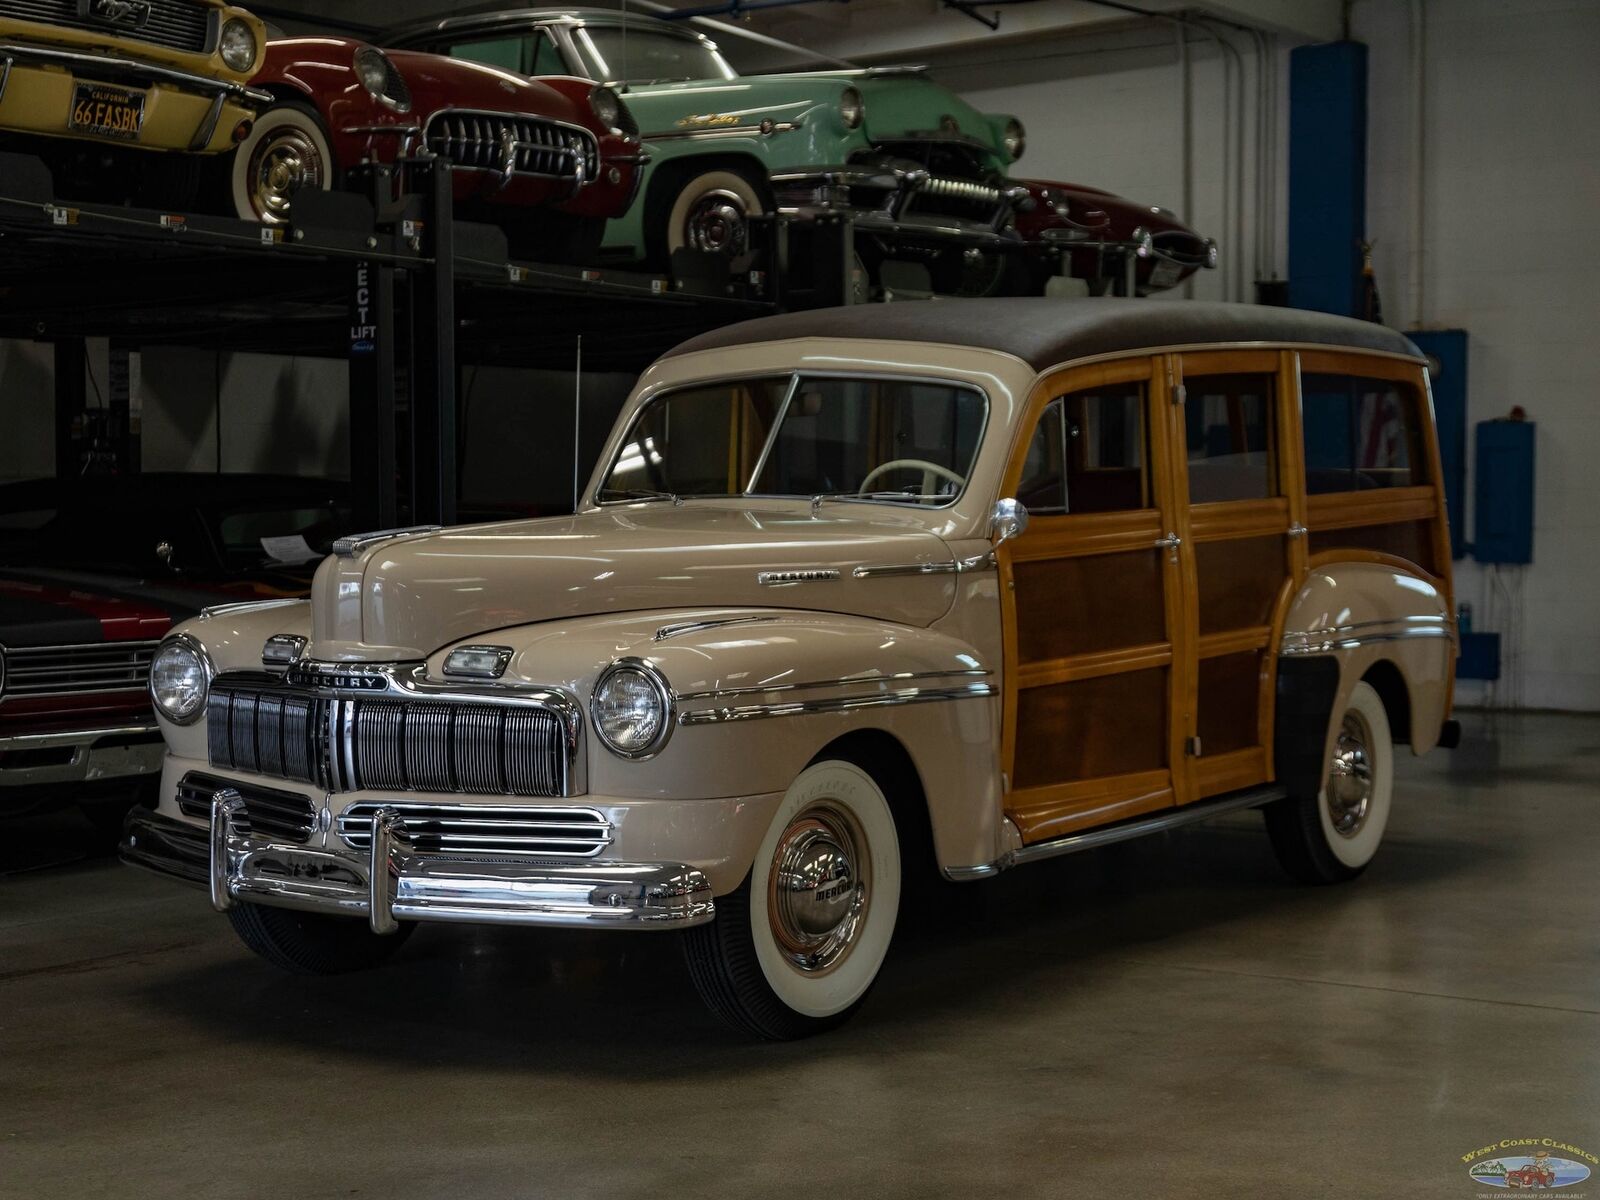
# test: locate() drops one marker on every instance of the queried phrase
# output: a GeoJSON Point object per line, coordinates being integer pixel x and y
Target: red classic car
{"type": "Point", "coordinates": [548, 160]}
{"type": "Point", "coordinates": [1091, 234]}
{"type": "Point", "coordinates": [1531, 1175]}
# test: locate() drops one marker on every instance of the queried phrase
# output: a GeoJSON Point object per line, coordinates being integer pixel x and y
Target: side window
{"type": "Point", "coordinates": [1107, 467]}
{"type": "Point", "coordinates": [505, 53]}
{"type": "Point", "coordinates": [1042, 490]}
{"type": "Point", "coordinates": [1229, 433]}
{"type": "Point", "coordinates": [546, 58]}
{"type": "Point", "coordinates": [1361, 433]}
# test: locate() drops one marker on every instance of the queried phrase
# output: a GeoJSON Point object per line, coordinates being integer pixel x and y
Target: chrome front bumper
{"type": "Point", "coordinates": [80, 755]}
{"type": "Point", "coordinates": [824, 190]}
{"type": "Point", "coordinates": [392, 882]}
{"type": "Point", "coordinates": [116, 67]}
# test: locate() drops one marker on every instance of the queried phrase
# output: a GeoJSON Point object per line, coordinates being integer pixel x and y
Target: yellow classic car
{"type": "Point", "coordinates": [145, 74]}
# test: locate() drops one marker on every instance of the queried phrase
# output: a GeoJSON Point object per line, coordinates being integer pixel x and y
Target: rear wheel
{"type": "Point", "coordinates": [795, 950]}
{"type": "Point", "coordinates": [312, 943]}
{"type": "Point", "coordinates": [287, 152]}
{"type": "Point", "coordinates": [1332, 836]}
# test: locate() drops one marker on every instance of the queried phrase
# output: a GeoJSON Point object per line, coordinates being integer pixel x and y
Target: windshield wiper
{"type": "Point", "coordinates": [640, 494]}
{"type": "Point", "coordinates": [902, 497]}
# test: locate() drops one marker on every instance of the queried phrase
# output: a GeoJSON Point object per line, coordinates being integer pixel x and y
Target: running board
{"type": "Point", "coordinates": [1171, 818]}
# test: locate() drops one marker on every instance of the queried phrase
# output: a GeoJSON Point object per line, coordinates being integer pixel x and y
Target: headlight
{"type": "Point", "coordinates": [237, 45]}
{"type": "Point", "coordinates": [607, 107]}
{"type": "Point", "coordinates": [379, 77]}
{"type": "Point", "coordinates": [632, 708]}
{"type": "Point", "coordinates": [852, 109]}
{"type": "Point", "coordinates": [180, 677]}
{"type": "Point", "coordinates": [1016, 139]}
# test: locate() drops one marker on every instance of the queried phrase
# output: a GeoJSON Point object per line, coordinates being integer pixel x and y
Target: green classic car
{"type": "Point", "coordinates": [913, 163]}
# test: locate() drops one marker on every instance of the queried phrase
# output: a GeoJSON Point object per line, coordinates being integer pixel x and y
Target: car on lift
{"type": "Point", "coordinates": [921, 171]}
{"type": "Point", "coordinates": [549, 160]}
{"type": "Point", "coordinates": [1069, 229]}
{"type": "Point", "coordinates": [96, 571]}
{"type": "Point", "coordinates": [854, 596]}
{"type": "Point", "coordinates": [127, 100]}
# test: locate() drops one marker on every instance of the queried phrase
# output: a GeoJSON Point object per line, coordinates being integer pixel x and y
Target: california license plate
{"type": "Point", "coordinates": [108, 112]}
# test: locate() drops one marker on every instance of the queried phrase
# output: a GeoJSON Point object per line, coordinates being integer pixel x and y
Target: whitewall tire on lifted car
{"type": "Point", "coordinates": [796, 948]}
{"type": "Point", "coordinates": [1333, 835]}
{"type": "Point", "coordinates": [287, 152]}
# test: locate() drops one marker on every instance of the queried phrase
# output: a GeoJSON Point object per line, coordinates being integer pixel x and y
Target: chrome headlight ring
{"type": "Point", "coordinates": [381, 78]}
{"type": "Point", "coordinates": [852, 108]}
{"type": "Point", "coordinates": [237, 45]}
{"type": "Point", "coordinates": [186, 645]}
{"type": "Point", "coordinates": [656, 687]}
{"type": "Point", "coordinates": [1015, 138]}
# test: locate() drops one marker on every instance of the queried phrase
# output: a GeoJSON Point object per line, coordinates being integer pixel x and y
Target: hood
{"type": "Point", "coordinates": [70, 608]}
{"type": "Point", "coordinates": [406, 598]}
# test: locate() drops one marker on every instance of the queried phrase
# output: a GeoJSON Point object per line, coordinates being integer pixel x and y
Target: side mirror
{"type": "Point", "coordinates": [1008, 520]}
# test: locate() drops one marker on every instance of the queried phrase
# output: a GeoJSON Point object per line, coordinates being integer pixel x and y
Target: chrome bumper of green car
{"type": "Point", "coordinates": [909, 203]}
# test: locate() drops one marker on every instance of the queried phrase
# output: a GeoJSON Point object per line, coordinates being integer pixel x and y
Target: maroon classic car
{"type": "Point", "coordinates": [1092, 234]}
{"type": "Point", "coordinates": [548, 160]}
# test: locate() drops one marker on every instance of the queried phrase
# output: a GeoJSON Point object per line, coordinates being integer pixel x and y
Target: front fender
{"type": "Point", "coordinates": [758, 693]}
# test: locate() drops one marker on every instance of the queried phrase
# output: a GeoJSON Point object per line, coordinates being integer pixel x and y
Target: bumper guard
{"type": "Point", "coordinates": [817, 191]}
{"type": "Point", "coordinates": [392, 882]}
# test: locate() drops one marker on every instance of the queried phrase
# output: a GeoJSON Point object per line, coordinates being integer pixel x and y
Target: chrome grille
{"type": "Point", "coordinates": [485, 829]}
{"type": "Point", "coordinates": [287, 816]}
{"type": "Point", "coordinates": [175, 24]}
{"type": "Point", "coordinates": [480, 141]}
{"type": "Point", "coordinates": [350, 744]}
{"type": "Point", "coordinates": [65, 670]}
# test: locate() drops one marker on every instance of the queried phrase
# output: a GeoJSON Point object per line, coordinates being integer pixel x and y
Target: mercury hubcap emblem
{"type": "Point", "coordinates": [818, 888]}
{"type": "Point", "coordinates": [1349, 786]}
{"type": "Point", "coordinates": [717, 224]}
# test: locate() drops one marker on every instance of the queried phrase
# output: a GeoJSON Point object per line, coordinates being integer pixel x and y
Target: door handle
{"type": "Point", "coordinates": [1171, 542]}
{"type": "Point", "coordinates": [1296, 530]}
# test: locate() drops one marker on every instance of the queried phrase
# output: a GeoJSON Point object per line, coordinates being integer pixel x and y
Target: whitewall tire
{"type": "Point", "coordinates": [711, 214]}
{"type": "Point", "coordinates": [287, 152]}
{"type": "Point", "coordinates": [1334, 835]}
{"type": "Point", "coordinates": [797, 947]}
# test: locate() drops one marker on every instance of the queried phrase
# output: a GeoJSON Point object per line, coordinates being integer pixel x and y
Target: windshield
{"type": "Point", "coordinates": [630, 54]}
{"type": "Point", "coordinates": [888, 440]}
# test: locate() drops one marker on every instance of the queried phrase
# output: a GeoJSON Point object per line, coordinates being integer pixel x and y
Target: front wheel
{"type": "Point", "coordinates": [796, 948]}
{"type": "Point", "coordinates": [286, 153]}
{"type": "Point", "coordinates": [709, 213]}
{"type": "Point", "coordinates": [311, 943]}
{"type": "Point", "coordinates": [1332, 836]}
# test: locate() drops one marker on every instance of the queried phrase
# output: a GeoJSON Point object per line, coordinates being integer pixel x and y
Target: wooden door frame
{"type": "Point", "coordinates": [1081, 804]}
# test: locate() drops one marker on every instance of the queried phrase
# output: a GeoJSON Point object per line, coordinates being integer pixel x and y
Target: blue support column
{"type": "Point", "coordinates": [1327, 176]}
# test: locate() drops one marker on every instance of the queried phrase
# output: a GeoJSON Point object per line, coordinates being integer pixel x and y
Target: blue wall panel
{"type": "Point", "coordinates": [1327, 176]}
{"type": "Point", "coordinates": [1502, 494]}
{"type": "Point", "coordinates": [1448, 350]}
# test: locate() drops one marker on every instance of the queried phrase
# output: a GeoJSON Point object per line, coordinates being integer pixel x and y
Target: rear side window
{"type": "Point", "coordinates": [1228, 425]}
{"type": "Point", "coordinates": [1361, 433]}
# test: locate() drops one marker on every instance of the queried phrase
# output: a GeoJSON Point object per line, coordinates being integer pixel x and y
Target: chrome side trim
{"type": "Point", "coordinates": [807, 575]}
{"type": "Point", "coordinates": [927, 568]}
{"type": "Point", "coordinates": [355, 544]}
{"type": "Point", "coordinates": [760, 712]}
{"type": "Point", "coordinates": [764, 129]}
{"type": "Point", "coordinates": [667, 632]}
{"type": "Point", "coordinates": [1362, 633]}
{"type": "Point", "coordinates": [843, 681]}
{"type": "Point", "coordinates": [1171, 818]}
{"type": "Point", "coordinates": [244, 606]}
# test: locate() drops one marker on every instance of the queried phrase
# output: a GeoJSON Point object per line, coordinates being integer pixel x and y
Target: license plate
{"type": "Point", "coordinates": [107, 112]}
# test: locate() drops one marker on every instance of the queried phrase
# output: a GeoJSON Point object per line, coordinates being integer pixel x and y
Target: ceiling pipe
{"type": "Point", "coordinates": [1419, 30]}
{"type": "Point", "coordinates": [1185, 113]}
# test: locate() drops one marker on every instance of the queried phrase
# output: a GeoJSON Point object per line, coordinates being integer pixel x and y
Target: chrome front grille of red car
{"type": "Point", "coordinates": [482, 829]}
{"type": "Point", "coordinates": [68, 670]}
{"type": "Point", "coordinates": [485, 141]}
{"type": "Point", "coordinates": [175, 24]}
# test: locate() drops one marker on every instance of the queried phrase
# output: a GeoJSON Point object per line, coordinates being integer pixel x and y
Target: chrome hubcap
{"type": "Point", "coordinates": [818, 888]}
{"type": "Point", "coordinates": [282, 164]}
{"type": "Point", "coordinates": [1349, 786]}
{"type": "Point", "coordinates": [717, 224]}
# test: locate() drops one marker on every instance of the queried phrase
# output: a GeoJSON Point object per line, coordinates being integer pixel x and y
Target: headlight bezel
{"type": "Point", "coordinates": [380, 78]}
{"type": "Point", "coordinates": [208, 672]}
{"type": "Point", "coordinates": [600, 95]}
{"type": "Point", "coordinates": [665, 699]}
{"type": "Point", "coordinates": [852, 108]}
{"type": "Point", "coordinates": [236, 25]}
{"type": "Point", "coordinates": [1015, 138]}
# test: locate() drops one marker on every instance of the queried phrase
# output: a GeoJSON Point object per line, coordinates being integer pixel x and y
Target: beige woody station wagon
{"type": "Point", "coordinates": [854, 595]}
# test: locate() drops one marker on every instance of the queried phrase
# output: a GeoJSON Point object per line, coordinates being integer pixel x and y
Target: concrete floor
{"type": "Point", "coordinates": [1168, 1018]}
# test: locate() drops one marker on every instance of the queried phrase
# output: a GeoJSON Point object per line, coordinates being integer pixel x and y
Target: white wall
{"type": "Point", "coordinates": [1512, 255]}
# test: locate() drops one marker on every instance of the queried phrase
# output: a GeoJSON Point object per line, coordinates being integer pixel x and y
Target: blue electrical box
{"type": "Point", "coordinates": [1327, 176]}
{"type": "Point", "coordinates": [1502, 494]}
{"type": "Point", "coordinates": [1447, 376]}
{"type": "Point", "coordinates": [1480, 657]}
